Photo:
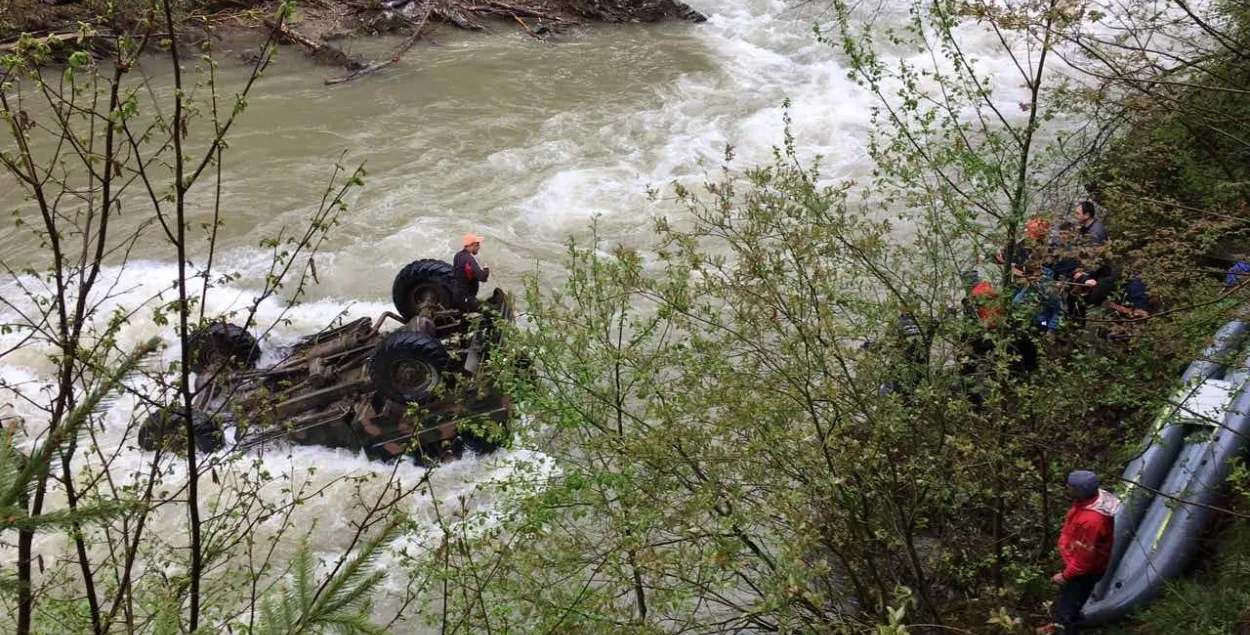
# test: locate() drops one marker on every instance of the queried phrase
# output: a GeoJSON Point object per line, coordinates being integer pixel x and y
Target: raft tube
{"type": "Point", "coordinates": [1161, 447]}
{"type": "Point", "coordinates": [1186, 457]}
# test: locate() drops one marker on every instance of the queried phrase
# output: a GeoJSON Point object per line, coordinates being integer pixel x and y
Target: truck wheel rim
{"type": "Point", "coordinates": [426, 297]}
{"type": "Point", "coordinates": [413, 377]}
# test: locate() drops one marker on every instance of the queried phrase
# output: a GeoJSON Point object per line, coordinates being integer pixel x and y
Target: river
{"type": "Point", "coordinates": [497, 134]}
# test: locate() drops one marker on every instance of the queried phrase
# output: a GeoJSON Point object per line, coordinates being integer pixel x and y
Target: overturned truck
{"type": "Point", "coordinates": [417, 389]}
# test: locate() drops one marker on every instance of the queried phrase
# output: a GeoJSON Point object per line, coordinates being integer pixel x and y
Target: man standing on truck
{"type": "Point", "coordinates": [468, 272]}
{"type": "Point", "coordinates": [1085, 546]}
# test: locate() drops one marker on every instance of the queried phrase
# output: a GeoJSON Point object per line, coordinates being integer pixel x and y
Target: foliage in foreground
{"type": "Point", "coordinates": [728, 460]}
{"type": "Point", "coordinates": [98, 536]}
{"type": "Point", "coordinates": [20, 472]}
{"type": "Point", "coordinates": [341, 603]}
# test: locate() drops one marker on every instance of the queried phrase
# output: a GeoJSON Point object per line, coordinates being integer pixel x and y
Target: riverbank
{"type": "Point", "coordinates": [314, 26]}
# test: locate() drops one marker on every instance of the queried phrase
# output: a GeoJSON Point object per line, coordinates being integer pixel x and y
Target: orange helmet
{"type": "Point", "coordinates": [1037, 228]}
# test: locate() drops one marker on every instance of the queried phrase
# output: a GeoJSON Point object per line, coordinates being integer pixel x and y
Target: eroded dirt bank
{"type": "Point", "coordinates": [317, 23]}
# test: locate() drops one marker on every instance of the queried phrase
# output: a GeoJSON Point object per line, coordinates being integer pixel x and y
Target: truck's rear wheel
{"type": "Point", "coordinates": [423, 284]}
{"type": "Point", "coordinates": [164, 429]}
{"type": "Point", "coordinates": [222, 342]}
{"type": "Point", "coordinates": [482, 441]}
{"type": "Point", "coordinates": [408, 367]}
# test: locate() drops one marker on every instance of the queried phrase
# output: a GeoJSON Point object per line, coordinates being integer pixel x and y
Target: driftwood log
{"type": "Point", "coordinates": [48, 39]}
{"type": "Point", "coordinates": [634, 10]}
{"type": "Point", "coordinates": [395, 57]}
{"type": "Point", "coordinates": [319, 51]}
{"type": "Point", "coordinates": [459, 13]}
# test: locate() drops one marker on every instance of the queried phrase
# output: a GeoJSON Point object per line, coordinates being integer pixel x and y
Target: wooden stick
{"type": "Point", "coordinates": [416, 33]}
{"type": "Point", "coordinates": [287, 33]}
{"type": "Point", "coordinates": [461, 18]}
{"type": "Point", "coordinates": [525, 26]}
{"type": "Point", "coordinates": [395, 57]}
{"type": "Point", "coordinates": [533, 13]}
{"type": "Point", "coordinates": [319, 50]}
{"type": "Point", "coordinates": [500, 8]}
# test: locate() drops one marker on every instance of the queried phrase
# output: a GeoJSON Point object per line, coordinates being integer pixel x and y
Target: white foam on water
{"type": "Point", "coordinates": [291, 466]}
{"type": "Point", "coordinates": [765, 54]}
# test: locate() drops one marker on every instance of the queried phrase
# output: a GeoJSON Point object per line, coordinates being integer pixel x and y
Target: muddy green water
{"type": "Point", "coordinates": [517, 140]}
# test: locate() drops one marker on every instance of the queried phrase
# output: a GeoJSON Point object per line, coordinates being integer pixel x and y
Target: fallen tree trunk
{"type": "Point", "coordinates": [510, 10]}
{"type": "Point", "coordinates": [526, 27]}
{"type": "Point", "coordinates": [320, 51]}
{"type": "Point", "coordinates": [634, 10]}
{"type": "Point", "coordinates": [459, 17]}
{"type": "Point", "coordinates": [68, 36]}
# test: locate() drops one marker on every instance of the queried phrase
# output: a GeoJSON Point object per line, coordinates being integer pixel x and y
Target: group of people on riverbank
{"type": "Point", "coordinates": [1056, 278]}
{"type": "Point", "coordinates": [1058, 274]}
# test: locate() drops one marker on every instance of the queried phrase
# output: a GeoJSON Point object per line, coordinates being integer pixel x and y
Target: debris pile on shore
{"type": "Point", "coordinates": [74, 25]}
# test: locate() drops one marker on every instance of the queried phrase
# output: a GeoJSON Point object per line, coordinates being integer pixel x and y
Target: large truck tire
{"type": "Point", "coordinates": [408, 367]}
{"type": "Point", "coordinates": [483, 441]}
{"type": "Point", "coordinates": [222, 341]}
{"type": "Point", "coordinates": [421, 284]}
{"type": "Point", "coordinates": [164, 429]}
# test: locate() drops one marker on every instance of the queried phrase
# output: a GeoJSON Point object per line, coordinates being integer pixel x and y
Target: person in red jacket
{"type": "Point", "coordinates": [1085, 547]}
{"type": "Point", "coordinates": [985, 299]}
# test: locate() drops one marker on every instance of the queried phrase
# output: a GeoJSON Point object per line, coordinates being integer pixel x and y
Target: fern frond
{"type": "Point", "coordinates": [270, 622]}
{"type": "Point", "coordinates": [167, 618]}
{"type": "Point", "coordinates": [8, 582]}
{"type": "Point", "coordinates": [16, 518]}
{"type": "Point", "coordinates": [351, 624]}
{"type": "Point", "coordinates": [342, 602]}
{"type": "Point", "coordinates": [358, 571]}
{"type": "Point", "coordinates": [304, 575]}
{"type": "Point", "coordinates": [11, 461]}
{"type": "Point", "coordinates": [347, 599]}
{"type": "Point", "coordinates": [292, 612]}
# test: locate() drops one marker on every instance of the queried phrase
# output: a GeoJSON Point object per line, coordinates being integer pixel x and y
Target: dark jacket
{"type": "Point", "coordinates": [468, 273]}
{"type": "Point", "coordinates": [1095, 232]}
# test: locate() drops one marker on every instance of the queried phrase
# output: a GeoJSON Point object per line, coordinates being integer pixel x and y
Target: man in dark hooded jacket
{"type": "Point", "coordinates": [468, 273]}
{"type": "Point", "coordinates": [911, 342]}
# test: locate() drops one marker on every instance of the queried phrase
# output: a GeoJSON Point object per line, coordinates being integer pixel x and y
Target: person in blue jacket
{"type": "Point", "coordinates": [1236, 275]}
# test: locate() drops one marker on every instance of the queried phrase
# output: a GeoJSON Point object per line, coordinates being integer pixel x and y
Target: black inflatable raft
{"type": "Point", "coordinates": [1181, 469]}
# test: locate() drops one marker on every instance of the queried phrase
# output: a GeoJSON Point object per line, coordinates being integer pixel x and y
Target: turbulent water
{"type": "Point", "coordinates": [496, 134]}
